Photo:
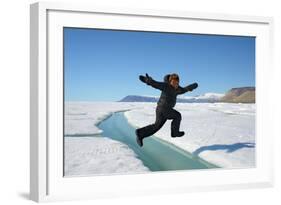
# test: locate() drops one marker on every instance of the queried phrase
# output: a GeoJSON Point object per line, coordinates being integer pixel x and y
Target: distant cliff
{"type": "Point", "coordinates": [138, 98]}
{"type": "Point", "coordinates": [240, 95]}
{"type": "Point", "coordinates": [235, 95]}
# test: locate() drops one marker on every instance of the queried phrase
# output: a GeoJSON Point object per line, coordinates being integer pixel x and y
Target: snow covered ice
{"type": "Point", "coordinates": [86, 151]}
{"type": "Point", "coordinates": [81, 118]}
{"type": "Point", "coordinates": [98, 155]}
{"type": "Point", "coordinates": [220, 133]}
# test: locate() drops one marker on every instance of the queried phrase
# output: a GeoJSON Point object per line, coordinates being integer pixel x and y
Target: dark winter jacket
{"type": "Point", "coordinates": [169, 94]}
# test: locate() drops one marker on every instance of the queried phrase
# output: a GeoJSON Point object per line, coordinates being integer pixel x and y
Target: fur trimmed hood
{"type": "Point", "coordinates": [166, 78]}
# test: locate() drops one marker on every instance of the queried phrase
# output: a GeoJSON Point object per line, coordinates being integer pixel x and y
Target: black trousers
{"type": "Point", "coordinates": [162, 115]}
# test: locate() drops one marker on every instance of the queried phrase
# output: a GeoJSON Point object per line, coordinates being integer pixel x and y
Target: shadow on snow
{"type": "Point", "coordinates": [228, 148]}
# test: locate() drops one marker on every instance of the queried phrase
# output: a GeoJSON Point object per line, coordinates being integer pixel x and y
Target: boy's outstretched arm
{"type": "Point", "coordinates": [188, 88]}
{"type": "Point", "coordinates": [149, 81]}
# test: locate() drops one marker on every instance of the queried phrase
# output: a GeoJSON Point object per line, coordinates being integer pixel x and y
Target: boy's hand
{"type": "Point", "coordinates": [192, 86]}
{"type": "Point", "coordinates": [146, 79]}
{"type": "Point", "coordinates": [142, 78]}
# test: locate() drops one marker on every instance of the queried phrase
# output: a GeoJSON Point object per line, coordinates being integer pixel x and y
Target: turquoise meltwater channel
{"type": "Point", "coordinates": [156, 154]}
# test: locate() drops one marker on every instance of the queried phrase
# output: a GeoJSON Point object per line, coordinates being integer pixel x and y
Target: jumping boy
{"type": "Point", "coordinates": [164, 111]}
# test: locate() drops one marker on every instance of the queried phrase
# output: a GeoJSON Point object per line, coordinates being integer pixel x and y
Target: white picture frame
{"type": "Point", "coordinates": [46, 178]}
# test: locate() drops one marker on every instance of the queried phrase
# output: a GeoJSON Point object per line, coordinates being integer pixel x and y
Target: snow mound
{"type": "Point", "coordinates": [81, 118]}
{"type": "Point", "coordinates": [99, 155]}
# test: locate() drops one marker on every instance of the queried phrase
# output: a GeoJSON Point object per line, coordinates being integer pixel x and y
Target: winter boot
{"type": "Point", "coordinates": [179, 134]}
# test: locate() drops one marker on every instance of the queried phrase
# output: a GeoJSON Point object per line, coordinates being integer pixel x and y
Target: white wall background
{"type": "Point", "coordinates": [14, 102]}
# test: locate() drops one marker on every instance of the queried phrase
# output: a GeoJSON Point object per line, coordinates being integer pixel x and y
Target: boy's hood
{"type": "Point", "coordinates": [166, 78]}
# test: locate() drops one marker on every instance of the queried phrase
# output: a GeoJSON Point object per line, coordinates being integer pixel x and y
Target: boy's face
{"type": "Point", "coordinates": [174, 83]}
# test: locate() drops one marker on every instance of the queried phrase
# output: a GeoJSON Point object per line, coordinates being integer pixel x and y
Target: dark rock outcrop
{"type": "Point", "coordinates": [240, 95]}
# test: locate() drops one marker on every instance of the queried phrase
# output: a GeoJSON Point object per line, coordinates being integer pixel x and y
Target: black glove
{"type": "Point", "coordinates": [191, 86]}
{"type": "Point", "coordinates": [146, 79]}
{"type": "Point", "coordinates": [142, 78]}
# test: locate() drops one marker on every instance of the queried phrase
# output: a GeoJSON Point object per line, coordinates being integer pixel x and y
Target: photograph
{"type": "Point", "coordinates": [146, 101]}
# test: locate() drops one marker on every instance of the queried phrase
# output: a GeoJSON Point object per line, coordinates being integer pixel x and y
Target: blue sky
{"type": "Point", "coordinates": [104, 65]}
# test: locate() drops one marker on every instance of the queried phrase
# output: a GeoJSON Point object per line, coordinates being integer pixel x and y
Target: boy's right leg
{"type": "Point", "coordinates": [150, 129]}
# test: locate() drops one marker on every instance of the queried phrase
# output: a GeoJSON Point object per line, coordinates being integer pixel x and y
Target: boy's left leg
{"type": "Point", "coordinates": [175, 116]}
